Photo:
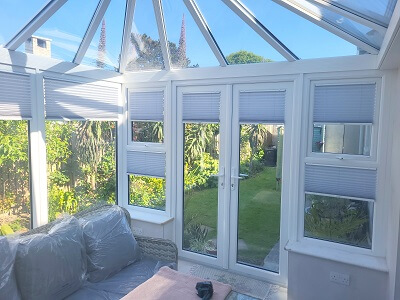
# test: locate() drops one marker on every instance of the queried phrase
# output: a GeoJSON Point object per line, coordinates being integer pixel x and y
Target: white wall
{"type": "Point", "coordinates": [309, 279]}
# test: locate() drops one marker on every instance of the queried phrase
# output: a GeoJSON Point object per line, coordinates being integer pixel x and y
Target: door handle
{"type": "Point", "coordinates": [237, 177]}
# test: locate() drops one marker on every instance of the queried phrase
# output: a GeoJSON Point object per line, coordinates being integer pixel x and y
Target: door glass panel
{"type": "Point", "coordinates": [200, 205]}
{"type": "Point", "coordinates": [261, 149]}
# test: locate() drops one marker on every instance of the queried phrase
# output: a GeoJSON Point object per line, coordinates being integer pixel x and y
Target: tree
{"type": "Point", "coordinates": [245, 57]}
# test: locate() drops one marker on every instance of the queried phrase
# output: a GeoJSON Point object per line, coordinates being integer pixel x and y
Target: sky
{"type": "Point", "coordinates": [67, 27]}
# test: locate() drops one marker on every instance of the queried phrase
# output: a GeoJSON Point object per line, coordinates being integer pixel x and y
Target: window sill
{"type": "Point", "coordinates": [360, 260]}
{"type": "Point", "coordinates": [154, 218]}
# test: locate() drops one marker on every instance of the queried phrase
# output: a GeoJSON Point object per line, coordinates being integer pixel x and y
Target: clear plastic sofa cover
{"type": "Point", "coordinates": [53, 265]}
{"type": "Point", "coordinates": [110, 243]}
{"type": "Point", "coordinates": [8, 284]}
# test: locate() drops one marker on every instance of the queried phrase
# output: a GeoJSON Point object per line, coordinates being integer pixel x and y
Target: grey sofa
{"type": "Point", "coordinates": [105, 262]}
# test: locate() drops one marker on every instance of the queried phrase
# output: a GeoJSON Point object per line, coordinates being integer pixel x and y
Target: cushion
{"type": "Point", "coordinates": [52, 266]}
{"type": "Point", "coordinates": [122, 283]}
{"type": "Point", "coordinates": [110, 244]}
{"type": "Point", "coordinates": [8, 284]}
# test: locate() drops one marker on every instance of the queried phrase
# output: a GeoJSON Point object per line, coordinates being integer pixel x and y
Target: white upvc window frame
{"type": "Point", "coordinates": [146, 213]}
{"type": "Point", "coordinates": [371, 258]}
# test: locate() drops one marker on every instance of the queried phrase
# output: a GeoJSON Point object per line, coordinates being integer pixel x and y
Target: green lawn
{"type": "Point", "coordinates": [259, 213]}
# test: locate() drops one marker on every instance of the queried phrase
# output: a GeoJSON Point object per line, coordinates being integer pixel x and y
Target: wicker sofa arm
{"type": "Point", "coordinates": [159, 249]}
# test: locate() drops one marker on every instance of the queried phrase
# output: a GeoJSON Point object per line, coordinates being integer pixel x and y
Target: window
{"type": "Point", "coordinates": [343, 118]}
{"type": "Point", "coordinates": [338, 219]}
{"type": "Point", "coordinates": [41, 43]}
{"type": "Point", "coordinates": [15, 204]}
{"type": "Point", "coordinates": [81, 165]}
{"type": "Point", "coordinates": [146, 174]}
{"type": "Point", "coordinates": [146, 112]}
{"type": "Point", "coordinates": [15, 192]}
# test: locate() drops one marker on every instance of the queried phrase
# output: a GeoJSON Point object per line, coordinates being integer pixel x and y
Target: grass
{"type": "Point", "coordinates": [259, 214]}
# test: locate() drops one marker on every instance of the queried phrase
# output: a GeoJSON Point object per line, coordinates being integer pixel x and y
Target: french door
{"type": "Point", "coordinates": [232, 146]}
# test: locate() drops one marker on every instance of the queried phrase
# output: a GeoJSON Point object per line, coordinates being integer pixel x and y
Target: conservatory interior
{"type": "Point", "coordinates": [259, 137]}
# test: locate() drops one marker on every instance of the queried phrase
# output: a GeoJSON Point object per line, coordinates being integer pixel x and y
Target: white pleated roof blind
{"type": "Point", "coordinates": [341, 181]}
{"type": "Point", "coordinates": [146, 106]}
{"type": "Point", "coordinates": [77, 100]}
{"type": "Point", "coordinates": [146, 163]}
{"type": "Point", "coordinates": [15, 95]}
{"type": "Point", "coordinates": [201, 107]}
{"type": "Point", "coordinates": [347, 103]}
{"type": "Point", "coordinates": [262, 106]}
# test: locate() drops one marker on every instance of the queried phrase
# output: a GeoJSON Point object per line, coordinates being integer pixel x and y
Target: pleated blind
{"type": "Point", "coordinates": [201, 107]}
{"type": "Point", "coordinates": [146, 163]}
{"type": "Point", "coordinates": [347, 103]}
{"type": "Point", "coordinates": [341, 181]}
{"type": "Point", "coordinates": [146, 106]}
{"type": "Point", "coordinates": [15, 95]}
{"type": "Point", "coordinates": [262, 106]}
{"type": "Point", "coordinates": [77, 100]}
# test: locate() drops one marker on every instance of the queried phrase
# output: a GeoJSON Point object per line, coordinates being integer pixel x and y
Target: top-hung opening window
{"type": "Point", "coordinates": [344, 116]}
{"type": "Point", "coordinates": [146, 115]}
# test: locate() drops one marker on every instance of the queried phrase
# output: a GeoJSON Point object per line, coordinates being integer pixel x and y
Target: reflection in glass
{"type": "Point", "coordinates": [200, 205]}
{"type": "Point", "coordinates": [342, 139]}
{"type": "Point", "coordinates": [15, 204]}
{"type": "Point", "coordinates": [147, 191]}
{"type": "Point", "coordinates": [340, 220]}
{"type": "Point", "coordinates": [149, 132]}
{"type": "Point", "coordinates": [81, 165]}
{"type": "Point", "coordinates": [261, 149]}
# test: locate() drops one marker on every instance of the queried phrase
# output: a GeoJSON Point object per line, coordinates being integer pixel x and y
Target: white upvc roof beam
{"type": "Point", "coordinates": [158, 11]}
{"type": "Point", "coordinates": [126, 36]}
{"type": "Point", "coordinates": [351, 15]}
{"type": "Point", "coordinates": [205, 30]}
{"type": "Point", "coordinates": [247, 16]}
{"type": "Point", "coordinates": [34, 24]}
{"type": "Point", "coordinates": [91, 30]}
{"type": "Point", "coordinates": [317, 18]}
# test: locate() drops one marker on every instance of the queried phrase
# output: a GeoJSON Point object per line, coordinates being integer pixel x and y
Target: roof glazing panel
{"type": "Point", "coordinates": [105, 48]}
{"type": "Point", "coordinates": [14, 14]}
{"type": "Point", "coordinates": [379, 11]}
{"type": "Point", "coordinates": [239, 43]}
{"type": "Point", "coordinates": [60, 36]}
{"type": "Point", "coordinates": [144, 52]}
{"type": "Point", "coordinates": [187, 46]}
{"type": "Point", "coordinates": [301, 36]}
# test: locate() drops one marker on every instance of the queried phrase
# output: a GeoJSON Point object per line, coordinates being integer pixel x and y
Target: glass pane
{"type": "Point", "coordinates": [340, 220]}
{"type": "Point", "coordinates": [150, 132]}
{"type": "Point", "coordinates": [342, 138]}
{"type": "Point", "coordinates": [261, 148]}
{"type": "Point", "coordinates": [15, 204]}
{"type": "Point", "coordinates": [81, 165]}
{"type": "Point", "coordinates": [187, 46]}
{"type": "Point", "coordinates": [363, 33]}
{"type": "Point", "coordinates": [298, 33]}
{"type": "Point", "coordinates": [200, 205]}
{"type": "Point", "coordinates": [62, 34]}
{"type": "Point", "coordinates": [239, 43]}
{"type": "Point", "coordinates": [105, 48]}
{"type": "Point", "coordinates": [147, 192]}
{"type": "Point", "coordinates": [144, 49]}
{"type": "Point", "coordinates": [378, 10]}
{"type": "Point", "coordinates": [15, 14]}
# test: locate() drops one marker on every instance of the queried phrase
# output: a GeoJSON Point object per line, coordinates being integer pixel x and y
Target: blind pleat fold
{"type": "Point", "coordinates": [201, 107]}
{"type": "Point", "coordinates": [341, 181]}
{"type": "Point", "coordinates": [262, 106]}
{"type": "Point", "coordinates": [347, 103]}
{"type": "Point", "coordinates": [146, 163]}
{"type": "Point", "coordinates": [146, 106]}
{"type": "Point", "coordinates": [15, 95]}
{"type": "Point", "coordinates": [77, 100]}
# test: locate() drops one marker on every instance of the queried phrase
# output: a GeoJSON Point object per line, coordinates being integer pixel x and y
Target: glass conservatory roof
{"type": "Point", "coordinates": [135, 35]}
